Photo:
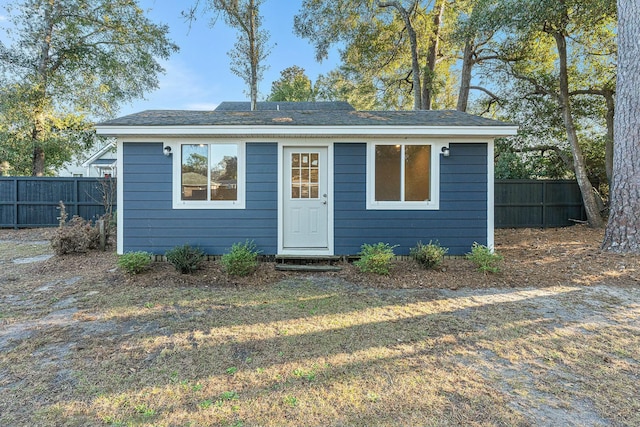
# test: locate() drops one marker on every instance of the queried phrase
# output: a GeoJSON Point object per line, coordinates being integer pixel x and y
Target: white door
{"type": "Point", "coordinates": [305, 199]}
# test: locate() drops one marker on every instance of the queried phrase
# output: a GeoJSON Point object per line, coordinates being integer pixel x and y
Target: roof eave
{"type": "Point", "coordinates": [310, 131]}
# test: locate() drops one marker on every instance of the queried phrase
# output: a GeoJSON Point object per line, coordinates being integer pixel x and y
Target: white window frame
{"type": "Point", "coordinates": [178, 203]}
{"type": "Point", "coordinates": [434, 191]}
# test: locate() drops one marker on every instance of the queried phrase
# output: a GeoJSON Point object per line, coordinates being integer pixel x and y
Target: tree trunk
{"type": "Point", "coordinates": [253, 49]}
{"type": "Point", "coordinates": [43, 64]}
{"type": "Point", "coordinates": [38, 161]}
{"type": "Point", "coordinates": [413, 46]}
{"type": "Point", "coordinates": [588, 197]}
{"type": "Point", "coordinates": [415, 65]}
{"type": "Point", "coordinates": [432, 57]}
{"type": "Point", "coordinates": [623, 229]}
{"type": "Point", "coordinates": [465, 76]}
{"type": "Point", "coordinates": [608, 148]}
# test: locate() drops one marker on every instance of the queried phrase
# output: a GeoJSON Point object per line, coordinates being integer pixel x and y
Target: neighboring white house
{"type": "Point", "coordinates": [101, 163]}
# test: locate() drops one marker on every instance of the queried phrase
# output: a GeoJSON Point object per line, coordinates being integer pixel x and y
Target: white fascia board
{"type": "Point", "coordinates": [308, 131]}
{"type": "Point", "coordinates": [99, 154]}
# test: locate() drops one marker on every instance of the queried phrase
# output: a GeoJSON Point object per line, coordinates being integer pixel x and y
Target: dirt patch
{"type": "Point", "coordinates": [532, 257]}
{"type": "Point", "coordinates": [552, 340]}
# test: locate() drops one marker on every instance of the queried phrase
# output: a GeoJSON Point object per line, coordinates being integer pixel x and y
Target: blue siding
{"type": "Point", "coordinates": [460, 221]}
{"type": "Point", "coordinates": [150, 223]}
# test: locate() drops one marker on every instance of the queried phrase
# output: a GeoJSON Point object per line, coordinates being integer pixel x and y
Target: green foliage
{"type": "Point", "coordinates": [76, 236]}
{"type": "Point", "coordinates": [375, 258]}
{"type": "Point", "coordinates": [67, 60]}
{"type": "Point", "coordinates": [430, 255]}
{"type": "Point", "coordinates": [185, 259]}
{"type": "Point", "coordinates": [484, 258]}
{"type": "Point", "coordinates": [293, 86]}
{"type": "Point", "coordinates": [134, 262]}
{"type": "Point", "coordinates": [241, 260]}
{"type": "Point", "coordinates": [377, 51]}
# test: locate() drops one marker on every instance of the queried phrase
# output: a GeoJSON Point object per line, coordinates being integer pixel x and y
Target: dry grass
{"type": "Point", "coordinates": [82, 345]}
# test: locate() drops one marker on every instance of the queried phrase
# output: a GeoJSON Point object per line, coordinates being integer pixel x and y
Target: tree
{"type": "Point", "coordinates": [71, 59]}
{"type": "Point", "coordinates": [293, 85]}
{"type": "Point", "coordinates": [623, 229]}
{"type": "Point", "coordinates": [539, 32]}
{"type": "Point", "coordinates": [378, 33]}
{"type": "Point", "coordinates": [250, 49]}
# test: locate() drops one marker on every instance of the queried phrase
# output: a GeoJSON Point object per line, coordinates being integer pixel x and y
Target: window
{"type": "Point", "coordinates": [304, 175]}
{"type": "Point", "coordinates": [210, 176]}
{"type": "Point", "coordinates": [402, 176]}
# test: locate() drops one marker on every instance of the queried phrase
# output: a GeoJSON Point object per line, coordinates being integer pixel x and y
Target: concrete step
{"type": "Point", "coordinates": [317, 268]}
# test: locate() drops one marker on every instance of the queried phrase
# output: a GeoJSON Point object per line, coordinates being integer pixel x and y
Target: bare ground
{"type": "Point", "coordinates": [551, 340]}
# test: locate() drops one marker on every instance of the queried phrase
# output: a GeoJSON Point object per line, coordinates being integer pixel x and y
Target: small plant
{"type": "Point", "coordinates": [206, 404]}
{"type": "Point", "coordinates": [185, 259]}
{"type": "Point", "coordinates": [229, 395]}
{"type": "Point", "coordinates": [134, 262]}
{"type": "Point", "coordinates": [430, 255]}
{"type": "Point", "coordinates": [76, 236]}
{"type": "Point", "coordinates": [308, 375]}
{"type": "Point", "coordinates": [375, 258]}
{"type": "Point", "coordinates": [144, 410]}
{"type": "Point", "coordinates": [232, 370]}
{"type": "Point", "coordinates": [484, 258]}
{"type": "Point", "coordinates": [241, 260]}
{"type": "Point", "coordinates": [291, 401]}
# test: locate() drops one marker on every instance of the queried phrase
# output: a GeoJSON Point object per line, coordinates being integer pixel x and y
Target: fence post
{"type": "Point", "coordinates": [103, 236]}
{"type": "Point", "coordinates": [544, 204]}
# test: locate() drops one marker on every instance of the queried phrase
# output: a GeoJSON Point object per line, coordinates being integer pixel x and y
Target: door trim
{"type": "Point", "coordinates": [330, 199]}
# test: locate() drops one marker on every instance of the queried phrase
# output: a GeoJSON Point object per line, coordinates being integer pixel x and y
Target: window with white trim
{"type": "Point", "coordinates": [402, 176]}
{"type": "Point", "coordinates": [210, 176]}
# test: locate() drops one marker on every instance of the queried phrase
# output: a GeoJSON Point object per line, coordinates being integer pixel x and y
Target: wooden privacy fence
{"type": "Point", "coordinates": [537, 203]}
{"type": "Point", "coordinates": [33, 201]}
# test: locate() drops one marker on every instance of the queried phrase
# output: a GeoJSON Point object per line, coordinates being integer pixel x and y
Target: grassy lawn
{"type": "Point", "coordinates": [79, 349]}
{"type": "Point", "coordinates": [303, 353]}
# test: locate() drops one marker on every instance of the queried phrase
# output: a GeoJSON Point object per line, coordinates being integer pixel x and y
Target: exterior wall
{"type": "Point", "coordinates": [460, 221]}
{"type": "Point", "coordinates": [150, 223]}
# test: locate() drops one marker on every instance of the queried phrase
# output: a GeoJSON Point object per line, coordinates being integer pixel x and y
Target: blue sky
{"type": "Point", "coordinates": [199, 78]}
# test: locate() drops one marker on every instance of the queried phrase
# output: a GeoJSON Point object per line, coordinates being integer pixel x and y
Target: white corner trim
{"type": "Point", "coordinates": [120, 200]}
{"type": "Point", "coordinates": [490, 194]}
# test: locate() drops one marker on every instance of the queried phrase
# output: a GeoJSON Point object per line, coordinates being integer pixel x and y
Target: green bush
{"type": "Point", "coordinates": [134, 262]}
{"type": "Point", "coordinates": [185, 259]}
{"type": "Point", "coordinates": [430, 255]}
{"type": "Point", "coordinates": [242, 259]}
{"type": "Point", "coordinates": [375, 258]}
{"type": "Point", "coordinates": [484, 258]}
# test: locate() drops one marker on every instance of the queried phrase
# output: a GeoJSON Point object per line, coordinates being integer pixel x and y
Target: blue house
{"type": "Point", "coordinates": [304, 178]}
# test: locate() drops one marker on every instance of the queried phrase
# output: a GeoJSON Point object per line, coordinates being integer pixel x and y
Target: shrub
{"type": "Point", "coordinates": [242, 259]}
{"type": "Point", "coordinates": [375, 258]}
{"type": "Point", "coordinates": [134, 262]}
{"type": "Point", "coordinates": [76, 236]}
{"type": "Point", "coordinates": [185, 259]}
{"type": "Point", "coordinates": [484, 258]}
{"type": "Point", "coordinates": [430, 255]}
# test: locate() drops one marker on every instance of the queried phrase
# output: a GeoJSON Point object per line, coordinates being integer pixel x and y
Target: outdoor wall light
{"type": "Point", "coordinates": [445, 151]}
{"type": "Point", "coordinates": [167, 151]}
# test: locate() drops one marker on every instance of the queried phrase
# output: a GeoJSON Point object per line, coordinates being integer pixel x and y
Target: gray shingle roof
{"type": "Point", "coordinates": [287, 106]}
{"type": "Point", "coordinates": [301, 117]}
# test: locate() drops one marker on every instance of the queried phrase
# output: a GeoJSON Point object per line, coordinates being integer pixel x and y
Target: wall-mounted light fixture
{"type": "Point", "coordinates": [167, 151]}
{"type": "Point", "coordinates": [445, 151]}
